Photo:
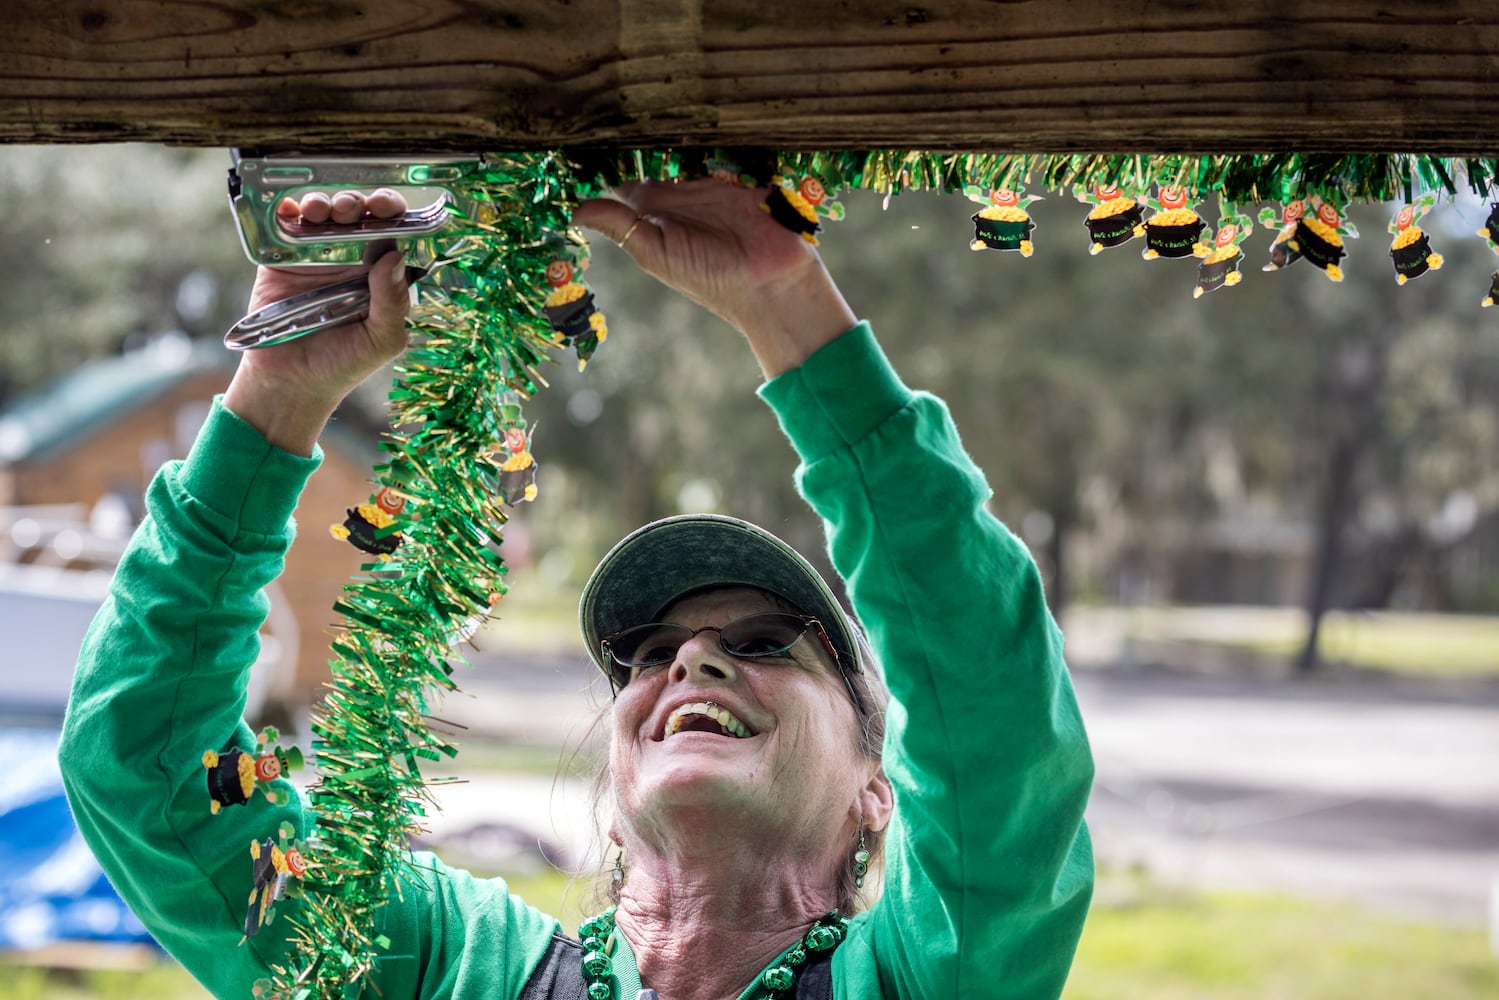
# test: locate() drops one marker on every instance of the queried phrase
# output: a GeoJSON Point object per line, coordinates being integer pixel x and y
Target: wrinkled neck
{"type": "Point", "coordinates": [704, 922]}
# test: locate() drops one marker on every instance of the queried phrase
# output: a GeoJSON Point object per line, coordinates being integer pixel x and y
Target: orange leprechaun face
{"type": "Point", "coordinates": [811, 189]}
{"type": "Point", "coordinates": [390, 501]}
{"type": "Point", "coordinates": [1327, 214]}
{"type": "Point", "coordinates": [1226, 234]}
{"type": "Point", "coordinates": [1174, 196]}
{"type": "Point", "coordinates": [559, 273]}
{"type": "Point", "coordinates": [1005, 198]}
{"type": "Point", "coordinates": [1106, 192]}
{"type": "Point", "coordinates": [267, 767]}
{"type": "Point", "coordinates": [1294, 210]}
{"type": "Point", "coordinates": [295, 863]}
{"type": "Point", "coordinates": [1406, 217]}
{"type": "Point", "coordinates": [515, 440]}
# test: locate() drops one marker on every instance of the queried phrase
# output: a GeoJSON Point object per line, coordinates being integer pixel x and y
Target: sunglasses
{"type": "Point", "coordinates": [765, 635]}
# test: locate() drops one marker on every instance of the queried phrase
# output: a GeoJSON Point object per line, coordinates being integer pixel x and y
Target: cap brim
{"type": "Point", "coordinates": [659, 563]}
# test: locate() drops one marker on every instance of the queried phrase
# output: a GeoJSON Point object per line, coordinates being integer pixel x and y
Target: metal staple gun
{"type": "Point", "coordinates": [257, 184]}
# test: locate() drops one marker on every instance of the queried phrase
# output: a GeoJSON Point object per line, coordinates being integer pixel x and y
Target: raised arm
{"type": "Point", "coordinates": [990, 869]}
{"type": "Point", "coordinates": [162, 674]}
{"type": "Point", "coordinates": [161, 677]}
{"type": "Point", "coordinates": [989, 866]}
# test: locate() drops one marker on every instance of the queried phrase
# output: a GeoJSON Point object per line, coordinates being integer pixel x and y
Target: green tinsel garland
{"type": "Point", "coordinates": [1361, 177]}
{"type": "Point", "coordinates": [480, 331]}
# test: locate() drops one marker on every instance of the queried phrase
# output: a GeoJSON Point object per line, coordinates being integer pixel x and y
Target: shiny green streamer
{"type": "Point", "coordinates": [1360, 177]}
{"type": "Point", "coordinates": [479, 330]}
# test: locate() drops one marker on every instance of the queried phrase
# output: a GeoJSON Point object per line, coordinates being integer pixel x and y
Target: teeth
{"type": "Point", "coordinates": [711, 710]}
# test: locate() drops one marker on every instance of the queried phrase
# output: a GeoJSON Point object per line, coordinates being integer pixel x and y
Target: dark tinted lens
{"type": "Point", "coordinates": [648, 645]}
{"type": "Point", "coordinates": [769, 634]}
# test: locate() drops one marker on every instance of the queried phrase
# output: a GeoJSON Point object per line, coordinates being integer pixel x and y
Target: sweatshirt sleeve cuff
{"type": "Point", "coordinates": [838, 395]}
{"type": "Point", "coordinates": [234, 471]}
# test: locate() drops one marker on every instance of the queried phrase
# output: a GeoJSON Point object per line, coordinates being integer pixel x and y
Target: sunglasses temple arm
{"type": "Point", "coordinates": [827, 642]}
{"type": "Point", "coordinates": [609, 671]}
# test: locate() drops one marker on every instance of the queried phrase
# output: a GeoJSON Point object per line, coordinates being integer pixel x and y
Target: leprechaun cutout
{"type": "Point", "coordinates": [235, 775]}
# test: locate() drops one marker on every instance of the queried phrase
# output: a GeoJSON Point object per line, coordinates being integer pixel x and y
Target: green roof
{"type": "Point", "coordinates": [69, 409]}
{"type": "Point", "coordinates": [73, 406]}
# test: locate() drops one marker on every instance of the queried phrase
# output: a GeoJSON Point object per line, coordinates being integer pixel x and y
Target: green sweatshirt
{"type": "Point", "coordinates": [989, 868]}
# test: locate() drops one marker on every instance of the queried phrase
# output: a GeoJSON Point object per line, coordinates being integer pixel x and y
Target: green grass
{"type": "Point", "coordinates": [1238, 946]}
{"type": "Point", "coordinates": [1142, 940]}
{"type": "Point", "coordinates": [1427, 645]}
{"type": "Point", "coordinates": [1410, 644]}
{"type": "Point", "coordinates": [163, 981]}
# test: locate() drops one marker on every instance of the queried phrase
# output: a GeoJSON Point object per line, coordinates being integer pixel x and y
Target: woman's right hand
{"type": "Point", "coordinates": [289, 390]}
{"type": "Point", "coordinates": [715, 244]}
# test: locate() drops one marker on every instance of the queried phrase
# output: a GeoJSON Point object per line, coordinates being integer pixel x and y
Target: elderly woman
{"type": "Point", "coordinates": [758, 763]}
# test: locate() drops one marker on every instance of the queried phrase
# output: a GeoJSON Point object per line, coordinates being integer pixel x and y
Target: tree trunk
{"type": "Point", "coordinates": [1056, 554]}
{"type": "Point", "coordinates": [1354, 381]}
{"type": "Point", "coordinates": [1332, 515]}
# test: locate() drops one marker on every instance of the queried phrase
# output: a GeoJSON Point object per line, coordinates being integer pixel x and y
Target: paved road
{"type": "Point", "coordinates": [1351, 790]}
{"type": "Point", "coordinates": [1357, 791]}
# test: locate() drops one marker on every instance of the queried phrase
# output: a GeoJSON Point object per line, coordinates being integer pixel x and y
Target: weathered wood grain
{"type": "Point", "coordinates": [1004, 75]}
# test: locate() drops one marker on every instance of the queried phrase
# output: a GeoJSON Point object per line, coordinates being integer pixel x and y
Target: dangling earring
{"type": "Point", "coordinates": [617, 873]}
{"type": "Point", "coordinates": [861, 860]}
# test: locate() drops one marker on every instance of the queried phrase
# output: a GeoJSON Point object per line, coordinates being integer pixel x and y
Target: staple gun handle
{"type": "Point", "coordinates": [298, 315]}
{"type": "Point", "coordinates": [257, 184]}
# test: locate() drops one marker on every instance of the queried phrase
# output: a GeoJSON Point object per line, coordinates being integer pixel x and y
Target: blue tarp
{"type": "Point", "coordinates": [51, 888]}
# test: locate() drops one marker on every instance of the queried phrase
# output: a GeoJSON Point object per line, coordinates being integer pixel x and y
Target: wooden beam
{"type": "Point", "coordinates": [973, 75]}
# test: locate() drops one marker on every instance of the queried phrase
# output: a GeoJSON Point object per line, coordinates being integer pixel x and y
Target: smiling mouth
{"type": "Point", "coordinates": [705, 717]}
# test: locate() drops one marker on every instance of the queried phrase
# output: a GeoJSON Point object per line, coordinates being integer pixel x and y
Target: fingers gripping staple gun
{"type": "Point", "coordinates": [258, 184]}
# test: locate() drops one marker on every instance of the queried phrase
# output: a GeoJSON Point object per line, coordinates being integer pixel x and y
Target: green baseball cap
{"type": "Point", "coordinates": [653, 566]}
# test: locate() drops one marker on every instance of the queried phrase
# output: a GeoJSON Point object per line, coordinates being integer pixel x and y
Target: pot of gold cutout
{"type": "Point", "coordinates": [235, 775]}
{"type": "Point", "coordinates": [1410, 251]}
{"type": "Point", "coordinates": [370, 527]}
{"type": "Point", "coordinates": [1173, 230]}
{"type": "Point", "coordinates": [1319, 238]}
{"type": "Point", "coordinates": [1490, 230]}
{"type": "Point", "coordinates": [569, 306]}
{"type": "Point", "coordinates": [1003, 224]}
{"type": "Point", "coordinates": [517, 482]}
{"type": "Point", "coordinates": [1115, 219]}
{"type": "Point", "coordinates": [799, 206]}
{"type": "Point", "coordinates": [1493, 295]}
{"type": "Point", "coordinates": [1283, 252]}
{"type": "Point", "coordinates": [1220, 268]}
{"type": "Point", "coordinates": [275, 865]}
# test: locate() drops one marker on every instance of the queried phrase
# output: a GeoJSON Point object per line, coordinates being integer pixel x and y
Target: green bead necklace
{"type": "Point", "coordinates": [776, 982]}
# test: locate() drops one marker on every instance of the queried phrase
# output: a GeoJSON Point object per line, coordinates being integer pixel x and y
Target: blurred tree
{"type": "Point", "coordinates": [1066, 373]}
{"type": "Point", "coordinates": [108, 243]}
{"type": "Point", "coordinates": [1352, 366]}
{"type": "Point", "coordinates": [1395, 433]}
